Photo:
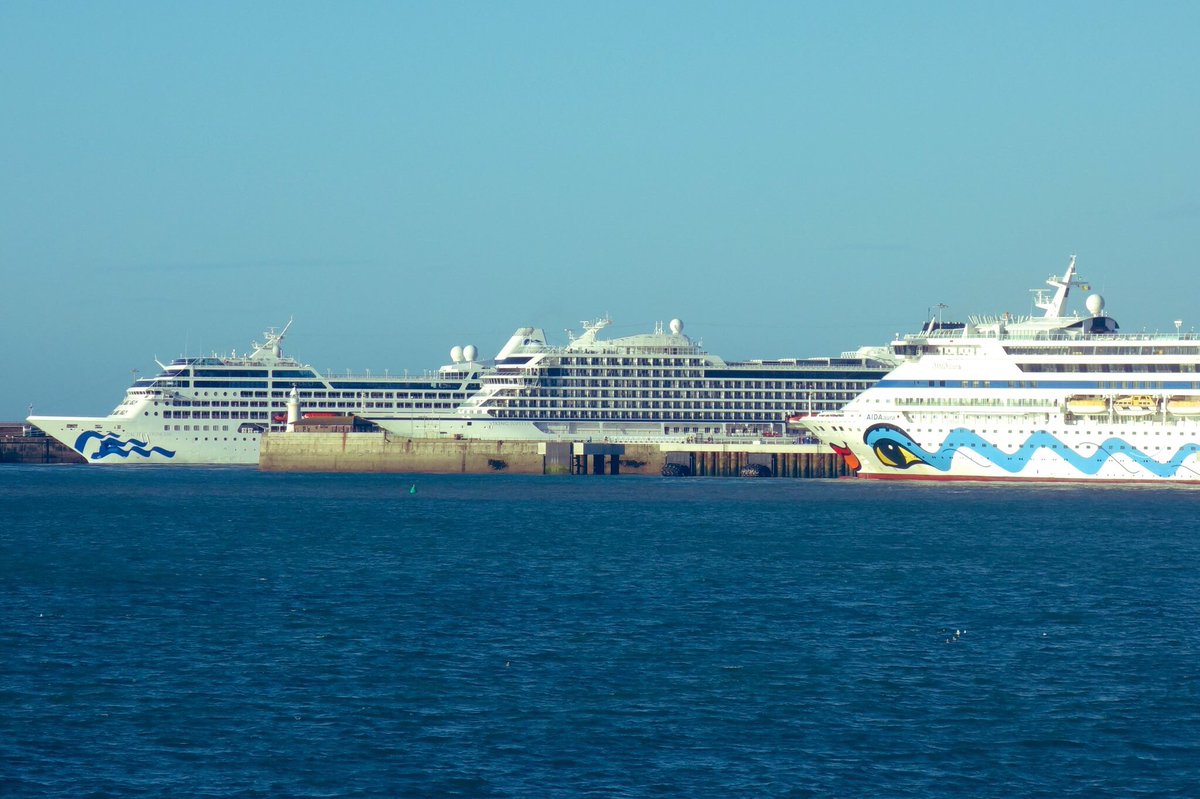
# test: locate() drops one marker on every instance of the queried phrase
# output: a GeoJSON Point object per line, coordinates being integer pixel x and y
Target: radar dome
{"type": "Point", "coordinates": [676, 327]}
{"type": "Point", "coordinates": [1095, 304]}
{"type": "Point", "coordinates": [469, 352]}
{"type": "Point", "coordinates": [456, 354]}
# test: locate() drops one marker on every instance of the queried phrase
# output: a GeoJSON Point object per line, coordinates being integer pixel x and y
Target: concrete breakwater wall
{"type": "Point", "coordinates": [380, 452]}
{"type": "Point", "coordinates": [36, 449]}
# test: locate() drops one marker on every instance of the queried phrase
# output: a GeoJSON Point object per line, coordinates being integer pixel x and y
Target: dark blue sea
{"type": "Point", "coordinates": [222, 632]}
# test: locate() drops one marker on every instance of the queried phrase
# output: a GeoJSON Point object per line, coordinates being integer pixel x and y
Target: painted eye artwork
{"type": "Point", "coordinates": [893, 447]}
{"type": "Point", "coordinates": [892, 453]}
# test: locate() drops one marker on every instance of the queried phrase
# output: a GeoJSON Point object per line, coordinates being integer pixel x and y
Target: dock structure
{"type": "Point", "coordinates": [19, 443]}
{"type": "Point", "coordinates": [349, 447]}
{"type": "Point", "coordinates": [758, 460]}
{"type": "Point", "coordinates": [582, 457]}
{"type": "Point", "coordinates": [348, 451]}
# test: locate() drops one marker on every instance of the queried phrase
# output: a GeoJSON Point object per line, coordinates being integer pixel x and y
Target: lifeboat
{"type": "Point", "coordinates": [1184, 406]}
{"type": "Point", "coordinates": [1135, 406]}
{"type": "Point", "coordinates": [1087, 406]}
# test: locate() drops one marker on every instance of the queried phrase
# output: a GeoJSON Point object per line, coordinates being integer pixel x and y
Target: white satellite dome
{"type": "Point", "coordinates": [1095, 304]}
{"type": "Point", "coordinates": [469, 352]}
{"type": "Point", "coordinates": [676, 327]}
{"type": "Point", "coordinates": [456, 354]}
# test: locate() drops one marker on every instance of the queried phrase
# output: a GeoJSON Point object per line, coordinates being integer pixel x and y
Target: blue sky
{"type": "Point", "coordinates": [790, 179]}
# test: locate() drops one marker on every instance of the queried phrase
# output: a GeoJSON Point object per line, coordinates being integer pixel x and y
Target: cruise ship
{"type": "Point", "coordinates": [214, 410]}
{"type": "Point", "coordinates": [659, 386]}
{"type": "Point", "coordinates": [1045, 398]}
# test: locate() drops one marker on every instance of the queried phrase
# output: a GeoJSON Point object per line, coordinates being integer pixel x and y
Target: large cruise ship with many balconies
{"type": "Point", "coordinates": [1051, 397]}
{"type": "Point", "coordinates": [214, 410]}
{"type": "Point", "coordinates": [659, 386]}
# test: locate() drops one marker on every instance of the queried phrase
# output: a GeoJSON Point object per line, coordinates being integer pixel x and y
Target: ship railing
{"type": "Point", "coordinates": [497, 379]}
{"type": "Point", "coordinates": [404, 374]}
{"type": "Point", "coordinates": [1050, 335]}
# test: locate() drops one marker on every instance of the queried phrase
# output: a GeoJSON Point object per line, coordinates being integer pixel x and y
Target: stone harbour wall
{"type": "Point", "coordinates": [379, 452]}
{"type": "Point", "coordinates": [382, 452]}
{"type": "Point", "coordinates": [36, 449]}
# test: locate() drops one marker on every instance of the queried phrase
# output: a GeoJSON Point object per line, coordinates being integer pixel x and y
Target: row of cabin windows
{"type": "Point", "coordinates": [748, 416]}
{"type": "Point", "coordinates": [1110, 368]}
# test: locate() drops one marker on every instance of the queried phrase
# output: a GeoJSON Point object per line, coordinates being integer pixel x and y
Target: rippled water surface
{"type": "Point", "coordinates": [207, 633]}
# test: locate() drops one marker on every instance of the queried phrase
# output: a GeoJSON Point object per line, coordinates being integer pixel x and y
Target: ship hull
{"type": "Point", "coordinates": [625, 431]}
{"type": "Point", "coordinates": [522, 430]}
{"type": "Point", "coordinates": [107, 441]}
{"type": "Point", "coordinates": [1143, 451]}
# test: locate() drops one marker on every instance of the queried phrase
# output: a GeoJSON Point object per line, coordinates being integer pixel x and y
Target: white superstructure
{"type": "Point", "coordinates": [658, 386]}
{"type": "Point", "coordinates": [1051, 397]}
{"type": "Point", "coordinates": [214, 410]}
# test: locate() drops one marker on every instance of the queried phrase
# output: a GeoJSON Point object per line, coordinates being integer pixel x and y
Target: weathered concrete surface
{"type": "Point", "coordinates": [36, 449]}
{"type": "Point", "coordinates": [381, 452]}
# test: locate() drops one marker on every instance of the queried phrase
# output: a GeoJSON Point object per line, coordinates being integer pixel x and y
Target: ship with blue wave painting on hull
{"type": "Point", "coordinates": [649, 388]}
{"type": "Point", "coordinates": [215, 410]}
{"type": "Point", "coordinates": [1053, 397]}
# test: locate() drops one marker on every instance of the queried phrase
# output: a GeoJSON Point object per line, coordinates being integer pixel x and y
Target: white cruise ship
{"type": "Point", "coordinates": [1051, 397]}
{"type": "Point", "coordinates": [214, 410]}
{"type": "Point", "coordinates": [658, 386]}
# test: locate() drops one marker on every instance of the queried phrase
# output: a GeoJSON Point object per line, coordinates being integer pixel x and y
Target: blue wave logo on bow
{"type": "Point", "coordinates": [896, 449]}
{"type": "Point", "coordinates": [111, 444]}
